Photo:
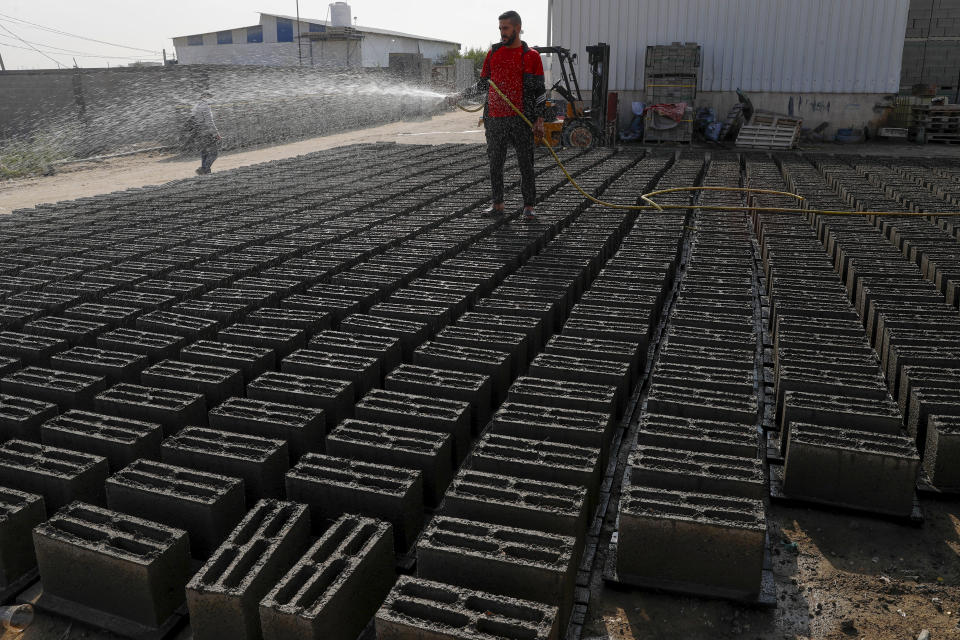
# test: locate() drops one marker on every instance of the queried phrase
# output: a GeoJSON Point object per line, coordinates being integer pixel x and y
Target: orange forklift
{"type": "Point", "coordinates": [582, 127]}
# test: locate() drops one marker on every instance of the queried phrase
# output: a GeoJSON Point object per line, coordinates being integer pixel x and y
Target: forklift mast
{"type": "Point", "coordinates": [599, 59]}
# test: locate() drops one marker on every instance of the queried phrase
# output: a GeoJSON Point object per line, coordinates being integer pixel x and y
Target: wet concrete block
{"type": "Point", "coordinates": [553, 424]}
{"type": "Point", "coordinates": [410, 333]}
{"type": "Point", "coordinates": [687, 542]}
{"type": "Point", "coordinates": [178, 324]}
{"type": "Point", "coordinates": [75, 332]}
{"type": "Point", "coordinates": [456, 613]}
{"type": "Point", "coordinates": [362, 371]}
{"type": "Point", "coordinates": [143, 300]}
{"type": "Point", "coordinates": [156, 346]}
{"type": "Point", "coordinates": [384, 348]}
{"type": "Point", "coordinates": [580, 347]}
{"type": "Point", "coordinates": [336, 308]}
{"type": "Point", "coordinates": [495, 364]}
{"type": "Point", "coordinates": [302, 428]}
{"type": "Point", "coordinates": [930, 377]}
{"type": "Point", "coordinates": [114, 366]}
{"type": "Point", "coordinates": [518, 502]}
{"type": "Point", "coordinates": [20, 418]}
{"type": "Point", "coordinates": [133, 569]}
{"type": "Point", "coordinates": [519, 563]}
{"type": "Point", "coordinates": [419, 412]}
{"type": "Point", "coordinates": [65, 389]}
{"type": "Point", "coordinates": [697, 472]}
{"type": "Point", "coordinates": [172, 409]}
{"type": "Point", "coordinates": [708, 377]}
{"type": "Point", "coordinates": [260, 462]}
{"type": "Point", "coordinates": [251, 361]}
{"type": "Point", "coordinates": [428, 451]}
{"type": "Point", "coordinates": [215, 383]}
{"type": "Point", "coordinates": [336, 587]}
{"type": "Point", "coordinates": [512, 342]}
{"type": "Point", "coordinates": [564, 394]}
{"type": "Point", "coordinates": [697, 434]}
{"type": "Point", "coordinates": [334, 486]}
{"type": "Point", "coordinates": [546, 312]}
{"type": "Point", "coordinates": [445, 383]}
{"type": "Point", "coordinates": [206, 505]}
{"type": "Point", "coordinates": [224, 595]}
{"type": "Point", "coordinates": [364, 297]}
{"type": "Point", "coordinates": [47, 300]}
{"type": "Point", "coordinates": [693, 402]}
{"type": "Point", "coordinates": [282, 340]}
{"type": "Point", "coordinates": [30, 349]}
{"type": "Point", "coordinates": [291, 319]}
{"type": "Point", "coordinates": [9, 365]}
{"type": "Point", "coordinates": [872, 471]}
{"type": "Point", "coordinates": [928, 401]}
{"type": "Point", "coordinates": [538, 460]}
{"type": "Point", "coordinates": [874, 416]}
{"type": "Point", "coordinates": [112, 315]}
{"type": "Point", "coordinates": [530, 326]}
{"type": "Point", "coordinates": [14, 316]}
{"type": "Point", "coordinates": [223, 313]}
{"type": "Point", "coordinates": [335, 397]}
{"type": "Point", "coordinates": [119, 440]}
{"type": "Point", "coordinates": [585, 370]}
{"type": "Point", "coordinates": [607, 330]}
{"type": "Point", "coordinates": [59, 475]}
{"type": "Point", "coordinates": [942, 450]}
{"type": "Point", "coordinates": [20, 512]}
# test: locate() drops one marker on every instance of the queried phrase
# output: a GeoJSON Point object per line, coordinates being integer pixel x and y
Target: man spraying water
{"type": "Point", "coordinates": [518, 71]}
{"type": "Point", "coordinates": [205, 133]}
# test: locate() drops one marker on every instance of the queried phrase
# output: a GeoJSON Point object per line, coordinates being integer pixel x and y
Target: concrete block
{"type": "Point", "coordinates": [686, 541]}
{"type": "Point", "coordinates": [336, 486]}
{"type": "Point", "coordinates": [519, 563]}
{"type": "Point", "coordinates": [114, 366]}
{"type": "Point", "coordinates": [223, 313]}
{"type": "Point", "coordinates": [20, 418]}
{"type": "Point", "coordinates": [291, 319]}
{"type": "Point", "coordinates": [585, 370]}
{"type": "Point", "coordinates": [59, 475]}
{"type": "Point", "coordinates": [282, 340]}
{"type": "Point", "coordinates": [410, 333]}
{"type": "Point", "coordinates": [512, 342]}
{"type": "Point", "coordinates": [428, 451]}
{"type": "Point", "coordinates": [20, 512]}
{"type": "Point", "coordinates": [874, 416]}
{"type": "Point", "coordinates": [697, 434]}
{"type": "Point", "coordinates": [205, 505]}
{"type": "Point", "coordinates": [456, 613]}
{"type": "Point", "coordinates": [156, 346]}
{"type": "Point", "coordinates": [495, 364]}
{"type": "Point", "coordinates": [530, 326]}
{"type": "Point", "coordinates": [941, 451]}
{"type": "Point", "coordinates": [119, 440]}
{"type": "Point", "coordinates": [445, 383]}
{"type": "Point", "coordinates": [419, 412]}
{"type": "Point", "coordinates": [133, 569]}
{"type": "Point", "coordinates": [75, 332]}
{"type": "Point", "coordinates": [172, 409]}
{"type": "Point", "coordinates": [697, 472]}
{"type": "Point", "coordinates": [518, 502]}
{"type": "Point", "coordinates": [302, 428]}
{"type": "Point", "coordinates": [564, 394]}
{"type": "Point", "coordinates": [538, 460]}
{"type": "Point", "coordinates": [334, 590]}
{"type": "Point", "coordinates": [224, 595]}
{"type": "Point", "coordinates": [580, 347]}
{"type": "Point", "coordinates": [66, 389]}
{"type": "Point", "coordinates": [362, 371]}
{"type": "Point", "coordinates": [871, 471]}
{"type": "Point", "coordinates": [692, 402]}
{"type": "Point", "coordinates": [215, 383]}
{"type": "Point", "coordinates": [9, 365]}
{"type": "Point", "coordinates": [178, 324]}
{"type": "Point", "coordinates": [140, 299]}
{"type": "Point", "coordinates": [30, 349]}
{"type": "Point", "coordinates": [928, 401]}
{"type": "Point", "coordinates": [553, 424]}
{"type": "Point", "coordinates": [384, 348]}
{"type": "Point", "coordinates": [335, 397]}
{"type": "Point", "coordinates": [112, 315]}
{"type": "Point", "coordinates": [260, 462]}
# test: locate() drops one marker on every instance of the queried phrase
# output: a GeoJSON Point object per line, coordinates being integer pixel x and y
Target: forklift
{"type": "Point", "coordinates": [582, 127]}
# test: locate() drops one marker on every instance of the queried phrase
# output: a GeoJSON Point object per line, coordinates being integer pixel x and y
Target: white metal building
{"type": "Point", "coordinates": [824, 60]}
{"type": "Point", "coordinates": [329, 43]}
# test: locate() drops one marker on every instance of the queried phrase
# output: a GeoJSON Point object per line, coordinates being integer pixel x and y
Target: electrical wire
{"type": "Point", "coordinates": [72, 35]}
{"type": "Point", "coordinates": [31, 46]}
{"type": "Point", "coordinates": [653, 206]}
{"type": "Point", "coordinates": [61, 50]}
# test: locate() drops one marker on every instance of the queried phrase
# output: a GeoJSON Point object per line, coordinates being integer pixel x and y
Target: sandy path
{"type": "Point", "coordinates": [89, 179]}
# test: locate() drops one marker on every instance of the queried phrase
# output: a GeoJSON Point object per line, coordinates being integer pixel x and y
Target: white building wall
{"type": "Point", "coordinates": [378, 47]}
{"type": "Point", "coordinates": [787, 46]}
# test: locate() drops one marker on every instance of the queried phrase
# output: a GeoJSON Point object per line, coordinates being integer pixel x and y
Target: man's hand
{"type": "Point", "coordinates": [452, 100]}
{"type": "Point", "coordinates": [538, 129]}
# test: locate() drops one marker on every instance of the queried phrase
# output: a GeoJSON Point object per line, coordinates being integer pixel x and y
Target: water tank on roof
{"type": "Point", "coordinates": [340, 14]}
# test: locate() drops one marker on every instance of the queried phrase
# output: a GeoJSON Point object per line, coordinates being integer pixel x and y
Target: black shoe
{"type": "Point", "coordinates": [493, 212]}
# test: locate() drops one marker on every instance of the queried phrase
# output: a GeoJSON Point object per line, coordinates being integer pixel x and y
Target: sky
{"type": "Point", "coordinates": [146, 28]}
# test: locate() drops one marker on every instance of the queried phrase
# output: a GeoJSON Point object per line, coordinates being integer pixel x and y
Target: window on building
{"type": "Point", "coordinates": [195, 41]}
{"type": "Point", "coordinates": [255, 34]}
{"type": "Point", "coordinates": [225, 37]}
{"type": "Point", "coordinates": [317, 28]}
{"type": "Point", "coordinates": [284, 30]}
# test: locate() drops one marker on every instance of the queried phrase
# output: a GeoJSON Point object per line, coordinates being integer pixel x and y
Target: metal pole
{"type": "Point", "coordinates": [299, 39]}
{"type": "Point", "coordinates": [2, 66]}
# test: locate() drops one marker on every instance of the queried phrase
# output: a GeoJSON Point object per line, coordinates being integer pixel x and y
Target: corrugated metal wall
{"type": "Point", "coordinates": [799, 46]}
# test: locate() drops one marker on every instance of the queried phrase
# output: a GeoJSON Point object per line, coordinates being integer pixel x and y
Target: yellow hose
{"type": "Point", "coordinates": [653, 206]}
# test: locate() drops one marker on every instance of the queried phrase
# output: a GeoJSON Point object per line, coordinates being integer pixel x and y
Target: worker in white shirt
{"type": "Point", "coordinates": [205, 134]}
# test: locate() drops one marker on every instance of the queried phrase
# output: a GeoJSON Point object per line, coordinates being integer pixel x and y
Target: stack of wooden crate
{"type": "Point", "coordinates": [940, 123]}
{"type": "Point", "coordinates": [671, 76]}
